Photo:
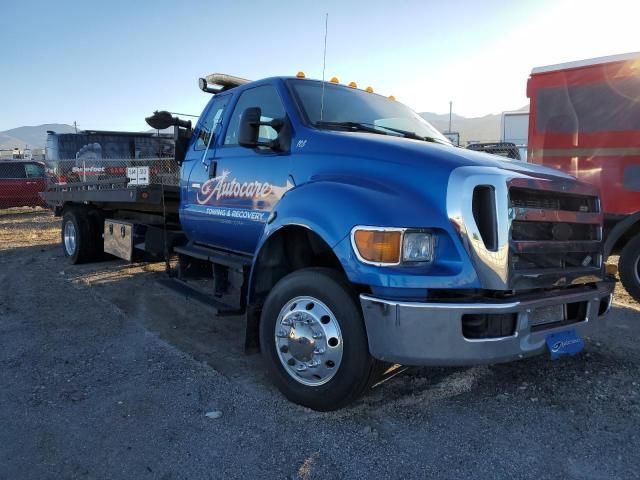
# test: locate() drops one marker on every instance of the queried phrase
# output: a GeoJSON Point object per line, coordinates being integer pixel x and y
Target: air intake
{"type": "Point", "coordinates": [484, 213]}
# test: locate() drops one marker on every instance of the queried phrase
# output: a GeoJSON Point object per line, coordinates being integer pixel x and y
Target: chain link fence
{"type": "Point", "coordinates": [26, 220]}
{"type": "Point", "coordinates": [137, 171]}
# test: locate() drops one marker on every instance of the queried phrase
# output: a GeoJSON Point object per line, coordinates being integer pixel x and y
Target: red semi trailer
{"type": "Point", "coordinates": [585, 120]}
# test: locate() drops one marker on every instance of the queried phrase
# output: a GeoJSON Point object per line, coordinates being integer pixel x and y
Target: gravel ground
{"type": "Point", "coordinates": [105, 374]}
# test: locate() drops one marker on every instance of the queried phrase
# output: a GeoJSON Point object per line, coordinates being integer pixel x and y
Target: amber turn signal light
{"type": "Point", "coordinates": [378, 246]}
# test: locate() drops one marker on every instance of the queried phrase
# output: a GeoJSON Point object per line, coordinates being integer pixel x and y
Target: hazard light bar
{"type": "Point", "coordinates": [219, 82]}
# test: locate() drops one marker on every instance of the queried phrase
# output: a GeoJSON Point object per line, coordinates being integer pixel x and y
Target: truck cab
{"type": "Point", "coordinates": [367, 239]}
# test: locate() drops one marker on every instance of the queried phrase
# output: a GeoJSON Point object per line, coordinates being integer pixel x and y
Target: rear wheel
{"type": "Point", "coordinates": [313, 340]}
{"type": "Point", "coordinates": [629, 267]}
{"type": "Point", "coordinates": [78, 237]}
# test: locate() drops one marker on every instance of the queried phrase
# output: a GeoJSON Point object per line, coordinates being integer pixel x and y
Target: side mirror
{"type": "Point", "coordinates": [249, 129]}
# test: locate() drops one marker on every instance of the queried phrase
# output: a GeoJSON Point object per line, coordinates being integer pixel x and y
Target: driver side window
{"type": "Point", "coordinates": [270, 104]}
{"type": "Point", "coordinates": [209, 122]}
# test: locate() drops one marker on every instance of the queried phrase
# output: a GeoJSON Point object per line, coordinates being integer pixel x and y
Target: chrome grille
{"type": "Point", "coordinates": [553, 235]}
{"type": "Point", "coordinates": [526, 231]}
{"type": "Point", "coordinates": [559, 231]}
{"type": "Point", "coordinates": [549, 200]}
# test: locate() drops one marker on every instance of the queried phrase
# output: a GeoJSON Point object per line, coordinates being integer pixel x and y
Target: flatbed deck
{"type": "Point", "coordinates": [115, 194]}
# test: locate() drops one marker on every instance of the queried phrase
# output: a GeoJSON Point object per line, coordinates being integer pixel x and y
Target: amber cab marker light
{"type": "Point", "coordinates": [300, 75]}
{"type": "Point", "coordinates": [378, 246]}
{"type": "Point", "coordinates": [334, 80]}
{"type": "Point", "coordinates": [353, 84]}
{"type": "Point", "coordinates": [369, 89]}
{"type": "Point", "coordinates": [391, 97]}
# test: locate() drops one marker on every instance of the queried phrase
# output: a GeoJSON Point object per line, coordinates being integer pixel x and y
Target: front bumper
{"type": "Point", "coordinates": [414, 333]}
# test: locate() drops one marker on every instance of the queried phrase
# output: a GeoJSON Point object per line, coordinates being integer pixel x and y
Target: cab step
{"type": "Point", "coordinates": [202, 252]}
{"type": "Point", "coordinates": [183, 288]}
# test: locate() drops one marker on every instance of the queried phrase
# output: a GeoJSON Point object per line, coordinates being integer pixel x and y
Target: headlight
{"type": "Point", "coordinates": [417, 247]}
{"type": "Point", "coordinates": [378, 246]}
{"type": "Point", "coordinates": [391, 246]}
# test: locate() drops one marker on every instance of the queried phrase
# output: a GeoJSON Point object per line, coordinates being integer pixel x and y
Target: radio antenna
{"type": "Point", "coordinates": [324, 63]}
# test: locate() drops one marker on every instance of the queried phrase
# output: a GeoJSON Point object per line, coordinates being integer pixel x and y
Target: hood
{"type": "Point", "coordinates": [421, 154]}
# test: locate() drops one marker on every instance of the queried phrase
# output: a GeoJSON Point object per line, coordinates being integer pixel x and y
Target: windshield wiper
{"type": "Point", "coordinates": [412, 135]}
{"type": "Point", "coordinates": [354, 126]}
{"type": "Point", "coordinates": [373, 128]}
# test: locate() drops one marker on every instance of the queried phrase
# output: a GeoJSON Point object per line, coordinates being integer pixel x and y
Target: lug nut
{"type": "Point", "coordinates": [319, 351]}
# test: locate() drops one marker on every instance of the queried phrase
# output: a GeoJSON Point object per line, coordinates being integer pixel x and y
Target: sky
{"type": "Point", "coordinates": [109, 64]}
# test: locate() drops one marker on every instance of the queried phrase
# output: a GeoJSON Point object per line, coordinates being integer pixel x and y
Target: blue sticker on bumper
{"type": "Point", "coordinates": [564, 343]}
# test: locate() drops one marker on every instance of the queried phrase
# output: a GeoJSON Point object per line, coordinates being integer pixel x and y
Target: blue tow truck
{"type": "Point", "coordinates": [353, 236]}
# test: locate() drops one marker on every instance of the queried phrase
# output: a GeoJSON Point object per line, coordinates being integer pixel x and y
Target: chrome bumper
{"type": "Point", "coordinates": [412, 333]}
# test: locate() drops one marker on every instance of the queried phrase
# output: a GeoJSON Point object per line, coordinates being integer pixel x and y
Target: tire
{"type": "Point", "coordinates": [312, 316]}
{"type": "Point", "coordinates": [78, 242]}
{"type": "Point", "coordinates": [629, 267]}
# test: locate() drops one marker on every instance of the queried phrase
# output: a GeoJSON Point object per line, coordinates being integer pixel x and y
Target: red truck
{"type": "Point", "coordinates": [21, 183]}
{"type": "Point", "coordinates": [585, 120]}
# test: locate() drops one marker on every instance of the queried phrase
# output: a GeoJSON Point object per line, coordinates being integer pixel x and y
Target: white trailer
{"type": "Point", "coordinates": [514, 128]}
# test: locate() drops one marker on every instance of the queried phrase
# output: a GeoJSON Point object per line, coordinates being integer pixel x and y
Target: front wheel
{"type": "Point", "coordinates": [313, 340]}
{"type": "Point", "coordinates": [629, 267]}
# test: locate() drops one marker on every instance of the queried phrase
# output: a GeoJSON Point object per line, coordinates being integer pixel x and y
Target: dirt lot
{"type": "Point", "coordinates": [106, 374]}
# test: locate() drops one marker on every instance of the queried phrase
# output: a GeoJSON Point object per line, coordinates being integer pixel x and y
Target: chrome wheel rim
{"type": "Point", "coordinates": [70, 238]}
{"type": "Point", "coordinates": [308, 341]}
{"type": "Point", "coordinates": [636, 269]}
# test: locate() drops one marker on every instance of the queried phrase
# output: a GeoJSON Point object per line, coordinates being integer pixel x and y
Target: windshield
{"type": "Point", "coordinates": [345, 104]}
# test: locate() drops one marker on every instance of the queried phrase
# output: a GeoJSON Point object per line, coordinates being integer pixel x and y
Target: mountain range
{"type": "Point", "coordinates": [486, 128]}
{"type": "Point", "coordinates": [32, 136]}
{"type": "Point", "coordinates": [478, 129]}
